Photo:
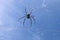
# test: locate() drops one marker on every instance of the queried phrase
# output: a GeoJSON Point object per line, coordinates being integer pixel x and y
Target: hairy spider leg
{"type": "Point", "coordinates": [21, 18]}
{"type": "Point", "coordinates": [24, 21]}
{"type": "Point", "coordinates": [31, 21]}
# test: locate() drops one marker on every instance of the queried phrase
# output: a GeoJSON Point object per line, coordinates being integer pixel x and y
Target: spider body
{"type": "Point", "coordinates": [28, 16]}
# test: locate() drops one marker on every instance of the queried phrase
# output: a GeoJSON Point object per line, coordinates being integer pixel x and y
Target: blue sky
{"type": "Point", "coordinates": [47, 16]}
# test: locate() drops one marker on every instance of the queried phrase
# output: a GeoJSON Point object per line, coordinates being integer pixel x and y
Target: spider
{"type": "Point", "coordinates": [28, 16]}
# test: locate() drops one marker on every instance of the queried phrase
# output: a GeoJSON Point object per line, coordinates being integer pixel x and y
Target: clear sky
{"type": "Point", "coordinates": [46, 13]}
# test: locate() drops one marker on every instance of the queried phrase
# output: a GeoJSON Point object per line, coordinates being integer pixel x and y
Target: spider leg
{"type": "Point", "coordinates": [24, 21]}
{"type": "Point", "coordinates": [21, 18]}
{"type": "Point", "coordinates": [31, 11]}
{"type": "Point", "coordinates": [31, 21]}
{"type": "Point", "coordinates": [25, 11]}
